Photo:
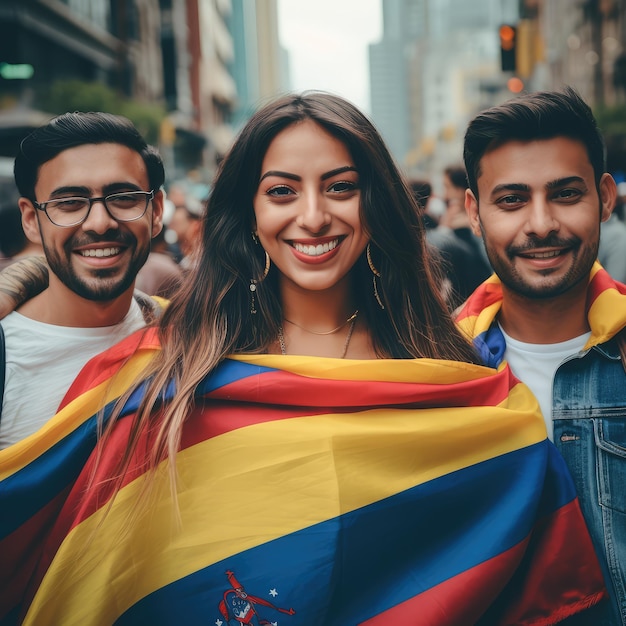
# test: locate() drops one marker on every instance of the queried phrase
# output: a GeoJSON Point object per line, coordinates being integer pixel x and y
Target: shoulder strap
{"type": "Point", "coordinates": [3, 367]}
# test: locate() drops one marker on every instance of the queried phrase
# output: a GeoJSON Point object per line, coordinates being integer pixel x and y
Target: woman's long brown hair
{"type": "Point", "coordinates": [210, 318]}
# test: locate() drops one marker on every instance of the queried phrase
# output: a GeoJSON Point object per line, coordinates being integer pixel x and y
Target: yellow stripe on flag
{"type": "Point", "coordinates": [256, 484]}
{"type": "Point", "coordinates": [426, 371]}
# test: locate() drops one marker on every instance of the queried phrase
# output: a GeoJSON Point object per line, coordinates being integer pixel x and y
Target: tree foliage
{"type": "Point", "coordinates": [612, 120]}
{"type": "Point", "coordinates": [612, 123]}
{"type": "Point", "coordinates": [76, 95]}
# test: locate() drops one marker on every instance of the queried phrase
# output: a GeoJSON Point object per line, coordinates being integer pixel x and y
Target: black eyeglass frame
{"type": "Point", "coordinates": [149, 195]}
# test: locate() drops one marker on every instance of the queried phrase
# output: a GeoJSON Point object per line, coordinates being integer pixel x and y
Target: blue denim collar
{"type": "Point", "coordinates": [609, 350]}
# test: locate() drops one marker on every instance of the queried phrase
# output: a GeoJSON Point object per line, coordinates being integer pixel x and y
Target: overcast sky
{"type": "Point", "coordinates": [327, 43]}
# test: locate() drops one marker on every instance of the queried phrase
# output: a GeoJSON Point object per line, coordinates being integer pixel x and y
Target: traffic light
{"type": "Point", "coordinates": [508, 44]}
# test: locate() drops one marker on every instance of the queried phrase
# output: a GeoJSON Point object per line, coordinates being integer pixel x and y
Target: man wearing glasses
{"type": "Point", "coordinates": [91, 194]}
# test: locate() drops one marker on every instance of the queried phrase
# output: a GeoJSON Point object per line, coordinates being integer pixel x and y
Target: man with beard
{"type": "Point", "coordinates": [91, 194]}
{"type": "Point", "coordinates": [538, 194]}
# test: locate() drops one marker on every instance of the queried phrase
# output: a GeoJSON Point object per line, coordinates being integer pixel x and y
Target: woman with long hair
{"type": "Point", "coordinates": [254, 289]}
{"type": "Point", "coordinates": [313, 441]}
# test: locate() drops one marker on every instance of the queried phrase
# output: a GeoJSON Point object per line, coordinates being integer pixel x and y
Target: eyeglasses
{"type": "Point", "coordinates": [127, 206]}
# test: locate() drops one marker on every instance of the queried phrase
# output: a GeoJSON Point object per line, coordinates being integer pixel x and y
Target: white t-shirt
{"type": "Point", "coordinates": [535, 365]}
{"type": "Point", "coordinates": [42, 361]}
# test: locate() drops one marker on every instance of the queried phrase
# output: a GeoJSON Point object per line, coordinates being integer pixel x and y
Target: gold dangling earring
{"type": "Point", "coordinates": [266, 271]}
{"type": "Point", "coordinates": [376, 273]}
{"type": "Point", "coordinates": [254, 282]}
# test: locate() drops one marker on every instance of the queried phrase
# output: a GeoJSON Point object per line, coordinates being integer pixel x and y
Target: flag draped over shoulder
{"type": "Point", "coordinates": [324, 491]}
{"type": "Point", "coordinates": [606, 313]}
{"type": "Point", "coordinates": [37, 473]}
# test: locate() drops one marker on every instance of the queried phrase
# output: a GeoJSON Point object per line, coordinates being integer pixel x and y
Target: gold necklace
{"type": "Point", "coordinates": [328, 332]}
{"type": "Point", "coordinates": [352, 320]}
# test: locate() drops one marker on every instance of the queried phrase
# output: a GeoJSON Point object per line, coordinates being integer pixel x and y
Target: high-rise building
{"type": "Point", "coordinates": [436, 65]}
{"type": "Point", "coordinates": [260, 64]}
{"type": "Point", "coordinates": [392, 65]}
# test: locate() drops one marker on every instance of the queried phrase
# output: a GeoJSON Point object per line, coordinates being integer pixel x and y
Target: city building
{"type": "Point", "coordinates": [437, 63]}
{"type": "Point", "coordinates": [260, 66]}
{"type": "Point", "coordinates": [113, 42]}
{"type": "Point", "coordinates": [581, 44]}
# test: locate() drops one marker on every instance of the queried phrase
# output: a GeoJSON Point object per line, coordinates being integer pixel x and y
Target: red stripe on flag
{"type": "Point", "coordinates": [551, 604]}
{"type": "Point", "coordinates": [599, 283]}
{"type": "Point", "coordinates": [550, 543]}
{"type": "Point", "coordinates": [105, 365]}
{"type": "Point", "coordinates": [20, 552]}
{"type": "Point", "coordinates": [280, 387]}
{"type": "Point", "coordinates": [447, 603]}
{"type": "Point", "coordinates": [485, 295]}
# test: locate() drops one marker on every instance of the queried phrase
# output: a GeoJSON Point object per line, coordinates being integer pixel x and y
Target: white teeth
{"type": "Point", "coordinates": [545, 255]}
{"type": "Point", "coordinates": [316, 250]}
{"type": "Point", "coordinates": [100, 252]}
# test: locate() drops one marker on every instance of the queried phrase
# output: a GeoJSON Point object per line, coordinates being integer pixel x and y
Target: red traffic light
{"type": "Point", "coordinates": [508, 41]}
{"type": "Point", "coordinates": [507, 37]}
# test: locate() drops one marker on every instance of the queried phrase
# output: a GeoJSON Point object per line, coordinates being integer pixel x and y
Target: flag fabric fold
{"type": "Point", "coordinates": [37, 473]}
{"type": "Point", "coordinates": [606, 314]}
{"type": "Point", "coordinates": [309, 491]}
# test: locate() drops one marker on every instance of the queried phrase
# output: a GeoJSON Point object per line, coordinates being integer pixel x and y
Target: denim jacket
{"type": "Point", "coordinates": [589, 415]}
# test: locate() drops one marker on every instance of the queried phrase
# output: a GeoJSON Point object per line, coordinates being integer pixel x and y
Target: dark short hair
{"type": "Point", "coordinates": [539, 115]}
{"type": "Point", "coordinates": [76, 129]}
{"type": "Point", "coordinates": [457, 176]}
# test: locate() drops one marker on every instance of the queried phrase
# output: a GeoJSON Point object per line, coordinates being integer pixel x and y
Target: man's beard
{"type": "Point", "coordinates": [104, 284]}
{"type": "Point", "coordinates": [583, 259]}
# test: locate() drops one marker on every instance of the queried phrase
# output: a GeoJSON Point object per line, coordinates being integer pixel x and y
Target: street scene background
{"type": "Point", "coordinates": [188, 73]}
